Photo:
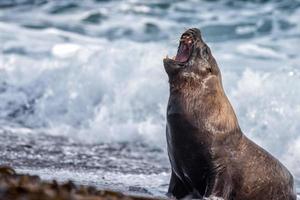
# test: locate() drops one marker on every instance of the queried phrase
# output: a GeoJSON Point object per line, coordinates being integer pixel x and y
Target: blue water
{"type": "Point", "coordinates": [91, 72]}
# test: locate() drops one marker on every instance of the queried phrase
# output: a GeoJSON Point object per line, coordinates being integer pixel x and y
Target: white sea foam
{"type": "Point", "coordinates": [65, 50]}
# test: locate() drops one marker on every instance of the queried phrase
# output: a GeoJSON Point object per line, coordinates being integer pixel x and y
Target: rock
{"type": "Point", "coordinates": [27, 187]}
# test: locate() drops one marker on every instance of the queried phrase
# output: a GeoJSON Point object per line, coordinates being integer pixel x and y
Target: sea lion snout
{"type": "Point", "coordinates": [192, 32]}
{"type": "Point", "coordinates": [185, 49]}
{"type": "Point", "coordinates": [193, 59]}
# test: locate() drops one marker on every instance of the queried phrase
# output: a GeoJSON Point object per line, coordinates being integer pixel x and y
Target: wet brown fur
{"type": "Point", "coordinates": [209, 154]}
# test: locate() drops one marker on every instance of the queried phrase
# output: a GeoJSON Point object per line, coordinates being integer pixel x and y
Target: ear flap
{"type": "Point", "coordinates": [205, 52]}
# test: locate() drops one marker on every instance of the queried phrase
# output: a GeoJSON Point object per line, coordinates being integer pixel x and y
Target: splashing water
{"type": "Point", "coordinates": [92, 71]}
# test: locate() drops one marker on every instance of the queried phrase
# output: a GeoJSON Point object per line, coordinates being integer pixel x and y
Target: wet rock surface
{"type": "Point", "coordinates": [45, 151]}
{"type": "Point", "coordinates": [131, 168]}
{"type": "Point", "coordinates": [16, 186]}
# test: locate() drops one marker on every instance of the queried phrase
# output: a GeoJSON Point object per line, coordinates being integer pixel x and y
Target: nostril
{"type": "Point", "coordinates": [193, 33]}
{"type": "Point", "coordinates": [187, 40]}
{"type": "Point", "coordinates": [186, 37]}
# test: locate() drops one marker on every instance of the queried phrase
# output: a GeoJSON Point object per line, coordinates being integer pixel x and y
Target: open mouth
{"type": "Point", "coordinates": [184, 49]}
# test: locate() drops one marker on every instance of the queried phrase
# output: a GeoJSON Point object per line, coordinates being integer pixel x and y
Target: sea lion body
{"type": "Point", "coordinates": [209, 154]}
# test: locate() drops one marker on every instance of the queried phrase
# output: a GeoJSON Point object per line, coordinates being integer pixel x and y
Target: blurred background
{"type": "Point", "coordinates": [83, 92]}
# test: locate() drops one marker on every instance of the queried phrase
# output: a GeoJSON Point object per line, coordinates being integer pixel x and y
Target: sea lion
{"type": "Point", "coordinates": [209, 154]}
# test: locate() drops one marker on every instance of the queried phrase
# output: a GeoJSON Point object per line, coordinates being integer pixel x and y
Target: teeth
{"type": "Point", "coordinates": [186, 40]}
{"type": "Point", "coordinates": [167, 57]}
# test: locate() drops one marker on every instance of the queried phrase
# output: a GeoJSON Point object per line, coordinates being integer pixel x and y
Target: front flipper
{"type": "Point", "coordinates": [177, 188]}
{"type": "Point", "coordinates": [220, 186]}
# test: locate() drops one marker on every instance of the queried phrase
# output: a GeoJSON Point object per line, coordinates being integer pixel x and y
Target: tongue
{"type": "Point", "coordinates": [182, 53]}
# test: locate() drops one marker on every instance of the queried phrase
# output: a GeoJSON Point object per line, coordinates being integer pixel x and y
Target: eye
{"type": "Point", "coordinates": [205, 52]}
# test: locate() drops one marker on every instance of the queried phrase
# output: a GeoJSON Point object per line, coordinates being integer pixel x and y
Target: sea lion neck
{"type": "Point", "coordinates": [204, 104]}
{"type": "Point", "coordinates": [196, 91]}
{"type": "Point", "coordinates": [184, 84]}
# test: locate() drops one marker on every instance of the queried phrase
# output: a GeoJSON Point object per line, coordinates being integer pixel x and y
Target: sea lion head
{"type": "Point", "coordinates": [196, 86]}
{"type": "Point", "coordinates": [194, 60]}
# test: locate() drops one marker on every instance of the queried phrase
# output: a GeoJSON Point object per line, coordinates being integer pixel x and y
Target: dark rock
{"type": "Point", "coordinates": [26, 187]}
